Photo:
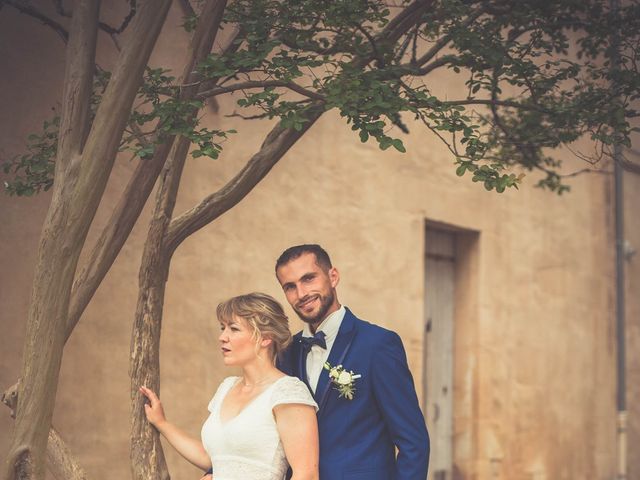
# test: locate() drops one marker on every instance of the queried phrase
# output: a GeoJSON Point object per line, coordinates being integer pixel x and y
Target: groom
{"type": "Point", "coordinates": [371, 410]}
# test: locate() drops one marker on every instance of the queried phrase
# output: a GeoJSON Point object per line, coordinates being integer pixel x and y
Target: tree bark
{"type": "Point", "coordinates": [82, 170]}
{"type": "Point", "coordinates": [147, 458]}
{"type": "Point", "coordinates": [135, 195]}
{"type": "Point", "coordinates": [60, 461]}
{"type": "Point", "coordinates": [57, 256]}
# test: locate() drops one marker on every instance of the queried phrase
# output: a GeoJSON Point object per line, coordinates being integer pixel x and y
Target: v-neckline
{"type": "Point", "coordinates": [251, 402]}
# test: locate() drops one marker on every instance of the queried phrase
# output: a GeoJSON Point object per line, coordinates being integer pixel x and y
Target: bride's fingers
{"type": "Point", "coordinates": [153, 398]}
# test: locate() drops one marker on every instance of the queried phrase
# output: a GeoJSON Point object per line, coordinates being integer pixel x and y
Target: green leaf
{"type": "Point", "coordinates": [397, 144]}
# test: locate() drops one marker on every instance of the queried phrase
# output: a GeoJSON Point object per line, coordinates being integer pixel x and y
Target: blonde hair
{"type": "Point", "coordinates": [264, 314]}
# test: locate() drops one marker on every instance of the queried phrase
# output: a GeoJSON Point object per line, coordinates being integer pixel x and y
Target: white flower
{"type": "Point", "coordinates": [344, 378]}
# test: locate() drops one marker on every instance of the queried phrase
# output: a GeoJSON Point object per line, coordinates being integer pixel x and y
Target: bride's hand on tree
{"type": "Point", "coordinates": [190, 448]}
{"type": "Point", "coordinates": [153, 410]}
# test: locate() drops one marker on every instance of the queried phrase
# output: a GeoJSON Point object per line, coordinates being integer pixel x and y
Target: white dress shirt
{"type": "Point", "coordinates": [318, 355]}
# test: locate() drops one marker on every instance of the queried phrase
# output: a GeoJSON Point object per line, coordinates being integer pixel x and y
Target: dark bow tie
{"type": "Point", "coordinates": [317, 339]}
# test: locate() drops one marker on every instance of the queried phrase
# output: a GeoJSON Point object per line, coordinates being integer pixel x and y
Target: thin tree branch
{"type": "Point", "coordinates": [187, 9]}
{"type": "Point", "coordinates": [427, 69]}
{"type": "Point", "coordinates": [38, 15]}
{"type": "Point", "coordinates": [443, 41]}
{"type": "Point", "coordinates": [404, 21]}
{"type": "Point", "coordinates": [629, 165]}
{"type": "Point", "coordinates": [261, 84]}
{"type": "Point", "coordinates": [374, 48]}
{"type": "Point", "coordinates": [259, 116]}
{"type": "Point", "coordinates": [133, 7]}
{"type": "Point", "coordinates": [277, 143]}
{"type": "Point", "coordinates": [60, 9]}
{"type": "Point", "coordinates": [103, 26]}
{"type": "Point", "coordinates": [498, 103]}
{"type": "Point", "coordinates": [583, 171]}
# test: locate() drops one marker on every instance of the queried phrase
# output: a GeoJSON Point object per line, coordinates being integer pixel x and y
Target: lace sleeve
{"type": "Point", "coordinates": [223, 388]}
{"type": "Point", "coordinates": [292, 390]}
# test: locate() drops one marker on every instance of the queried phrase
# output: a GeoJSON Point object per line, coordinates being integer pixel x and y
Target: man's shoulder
{"type": "Point", "coordinates": [372, 331]}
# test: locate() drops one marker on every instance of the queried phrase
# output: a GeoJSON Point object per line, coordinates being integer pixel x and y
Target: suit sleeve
{"type": "Point", "coordinates": [396, 397]}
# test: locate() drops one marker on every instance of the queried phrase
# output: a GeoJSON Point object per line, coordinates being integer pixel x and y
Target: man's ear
{"type": "Point", "coordinates": [334, 277]}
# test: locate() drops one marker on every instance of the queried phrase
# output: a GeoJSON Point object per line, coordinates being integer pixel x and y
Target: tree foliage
{"type": "Point", "coordinates": [538, 75]}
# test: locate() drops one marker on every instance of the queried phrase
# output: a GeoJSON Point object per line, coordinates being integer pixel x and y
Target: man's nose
{"type": "Point", "coordinates": [301, 291]}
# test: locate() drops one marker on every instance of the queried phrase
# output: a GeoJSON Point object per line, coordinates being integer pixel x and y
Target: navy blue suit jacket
{"type": "Point", "coordinates": [359, 437]}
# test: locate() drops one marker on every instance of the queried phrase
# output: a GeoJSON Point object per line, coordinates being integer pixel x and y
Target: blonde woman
{"type": "Point", "coordinates": [260, 422]}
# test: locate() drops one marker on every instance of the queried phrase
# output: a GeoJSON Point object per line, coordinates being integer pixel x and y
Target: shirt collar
{"type": "Point", "coordinates": [329, 325]}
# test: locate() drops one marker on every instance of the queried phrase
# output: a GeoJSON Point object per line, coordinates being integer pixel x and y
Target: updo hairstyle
{"type": "Point", "coordinates": [264, 314]}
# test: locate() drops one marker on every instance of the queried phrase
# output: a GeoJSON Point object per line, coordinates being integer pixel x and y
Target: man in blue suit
{"type": "Point", "coordinates": [370, 423]}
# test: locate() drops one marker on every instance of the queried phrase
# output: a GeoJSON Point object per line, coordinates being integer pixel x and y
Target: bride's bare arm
{"type": "Point", "coordinates": [298, 429]}
{"type": "Point", "coordinates": [190, 448]}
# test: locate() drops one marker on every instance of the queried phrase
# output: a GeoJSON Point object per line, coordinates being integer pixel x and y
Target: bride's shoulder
{"type": "Point", "coordinates": [289, 381]}
{"type": "Point", "coordinates": [291, 390]}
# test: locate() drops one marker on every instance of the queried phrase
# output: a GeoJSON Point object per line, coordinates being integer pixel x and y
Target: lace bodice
{"type": "Point", "coordinates": [247, 446]}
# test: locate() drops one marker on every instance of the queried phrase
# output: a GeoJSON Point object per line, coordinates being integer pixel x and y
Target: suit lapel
{"type": "Point", "coordinates": [296, 358]}
{"type": "Point", "coordinates": [338, 352]}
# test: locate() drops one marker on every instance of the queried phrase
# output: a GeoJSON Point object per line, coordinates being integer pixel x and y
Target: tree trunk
{"type": "Point", "coordinates": [57, 258]}
{"type": "Point", "coordinates": [82, 171]}
{"type": "Point", "coordinates": [60, 461]}
{"type": "Point", "coordinates": [147, 457]}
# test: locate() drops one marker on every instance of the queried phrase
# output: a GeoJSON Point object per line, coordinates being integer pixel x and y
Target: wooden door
{"type": "Point", "coordinates": [439, 330]}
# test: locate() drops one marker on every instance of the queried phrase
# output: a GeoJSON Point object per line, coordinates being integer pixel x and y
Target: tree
{"type": "Point", "coordinates": [539, 75]}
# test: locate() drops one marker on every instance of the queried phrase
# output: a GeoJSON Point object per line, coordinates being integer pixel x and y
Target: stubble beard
{"type": "Point", "coordinates": [325, 305]}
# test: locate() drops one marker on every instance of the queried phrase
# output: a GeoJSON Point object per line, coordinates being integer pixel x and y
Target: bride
{"type": "Point", "coordinates": [260, 422]}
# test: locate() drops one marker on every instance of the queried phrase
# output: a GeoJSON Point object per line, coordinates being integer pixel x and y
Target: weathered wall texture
{"type": "Point", "coordinates": [534, 387]}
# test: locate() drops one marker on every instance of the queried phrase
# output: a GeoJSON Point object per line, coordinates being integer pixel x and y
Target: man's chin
{"type": "Point", "coordinates": [311, 318]}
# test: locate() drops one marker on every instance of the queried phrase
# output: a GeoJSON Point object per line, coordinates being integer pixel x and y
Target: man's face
{"type": "Point", "coordinates": [310, 289]}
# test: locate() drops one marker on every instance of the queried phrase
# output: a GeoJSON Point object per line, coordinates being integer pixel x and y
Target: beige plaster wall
{"type": "Point", "coordinates": [535, 346]}
{"type": "Point", "coordinates": [632, 314]}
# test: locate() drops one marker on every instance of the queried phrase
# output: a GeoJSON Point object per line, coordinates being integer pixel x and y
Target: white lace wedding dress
{"type": "Point", "coordinates": [247, 446]}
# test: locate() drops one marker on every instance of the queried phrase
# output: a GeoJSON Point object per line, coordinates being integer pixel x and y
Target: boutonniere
{"type": "Point", "coordinates": [343, 380]}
